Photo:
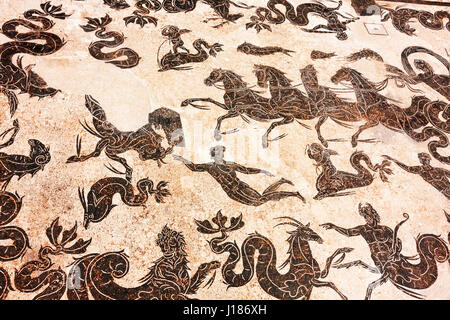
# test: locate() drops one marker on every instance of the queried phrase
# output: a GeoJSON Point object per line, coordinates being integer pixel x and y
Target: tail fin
{"type": "Point", "coordinates": [409, 292]}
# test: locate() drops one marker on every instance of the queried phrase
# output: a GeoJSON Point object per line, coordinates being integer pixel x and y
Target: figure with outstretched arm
{"type": "Point", "coordinates": [224, 172]}
{"type": "Point", "coordinates": [404, 272]}
{"type": "Point", "coordinates": [379, 238]}
{"type": "Point", "coordinates": [437, 177]}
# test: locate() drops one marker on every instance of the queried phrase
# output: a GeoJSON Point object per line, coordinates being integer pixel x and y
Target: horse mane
{"type": "Point", "coordinates": [235, 75]}
{"type": "Point", "coordinates": [291, 239]}
{"type": "Point", "coordinates": [274, 70]}
{"type": "Point", "coordinates": [239, 78]}
{"type": "Point", "coordinates": [378, 86]}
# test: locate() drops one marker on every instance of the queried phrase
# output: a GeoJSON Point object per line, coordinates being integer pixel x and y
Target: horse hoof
{"type": "Point", "coordinates": [72, 159]}
{"type": "Point", "coordinates": [301, 197]}
{"type": "Point", "coordinates": [287, 181]}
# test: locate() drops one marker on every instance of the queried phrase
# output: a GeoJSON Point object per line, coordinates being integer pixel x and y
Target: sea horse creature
{"type": "Point", "coordinates": [16, 76]}
{"type": "Point", "coordinates": [385, 248]}
{"type": "Point", "coordinates": [289, 103]}
{"type": "Point", "coordinates": [376, 109]}
{"type": "Point", "coordinates": [304, 272]}
{"type": "Point", "coordinates": [240, 100]}
{"type": "Point", "coordinates": [299, 16]}
{"type": "Point", "coordinates": [95, 48]}
{"type": "Point", "coordinates": [54, 281]}
{"type": "Point", "coordinates": [98, 203]}
{"type": "Point", "coordinates": [168, 278]}
{"type": "Point", "coordinates": [175, 60]}
{"type": "Point", "coordinates": [331, 181]}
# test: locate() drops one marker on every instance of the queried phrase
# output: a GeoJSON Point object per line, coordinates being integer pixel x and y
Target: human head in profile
{"type": "Point", "coordinates": [224, 172]}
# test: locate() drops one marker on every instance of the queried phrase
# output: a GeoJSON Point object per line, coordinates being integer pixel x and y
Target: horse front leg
{"type": "Point", "coordinates": [365, 126]}
{"type": "Point", "coordinates": [330, 259]}
{"type": "Point", "coordinates": [318, 283]}
{"type": "Point", "coordinates": [191, 100]}
{"type": "Point", "coordinates": [230, 114]}
{"type": "Point", "coordinates": [115, 157]}
{"type": "Point", "coordinates": [285, 120]}
{"type": "Point", "coordinates": [375, 284]}
{"type": "Point", "coordinates": [80, 158]}
{"type": "Point", "coordinates": [319, 123]}
{"type": "Point", "coordinates": [358, 263]}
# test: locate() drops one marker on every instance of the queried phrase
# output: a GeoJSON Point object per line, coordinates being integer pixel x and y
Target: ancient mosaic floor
{"type": "Point", "coordinates": [224, 150]}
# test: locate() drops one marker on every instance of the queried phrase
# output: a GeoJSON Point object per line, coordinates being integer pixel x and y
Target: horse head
{"type": "Point", "coordinates": [215, 76]}
{"type": "Point", "coordinates": [262, 75]}
{"type": "Point", "coordinates": [298, 240]}
{"type": "Point", "coordinates": [360, 82]}
{"type": "Point", "coordinates": [229, 79]}
{"type": "Point", "coordinates": [265, 74]}
{"type": "Point", "coordinates": [343, 74]}
{"type": "Point", "coordinates": [423, 66]}
{"type": "Point", "coordinates": [301, 231]}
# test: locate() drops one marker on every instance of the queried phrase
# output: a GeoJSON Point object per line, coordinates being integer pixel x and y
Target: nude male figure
{"type": "Point", "coordinates": [437, 177]}
{"type": "Point", "coordinates": [224, 172]}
